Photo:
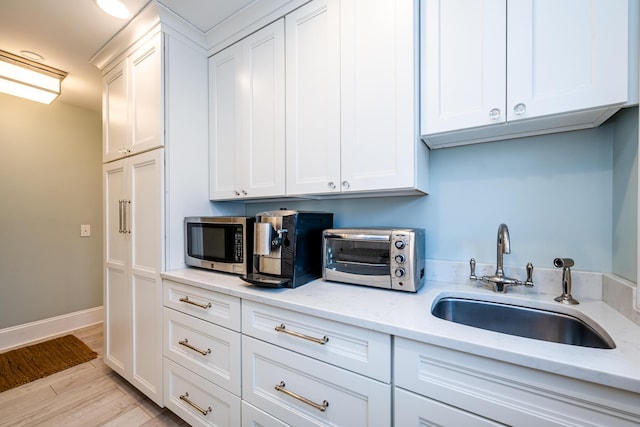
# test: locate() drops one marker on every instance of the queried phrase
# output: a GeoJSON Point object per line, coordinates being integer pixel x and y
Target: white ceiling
{"type": "Point", "coordinates": [69, 32]}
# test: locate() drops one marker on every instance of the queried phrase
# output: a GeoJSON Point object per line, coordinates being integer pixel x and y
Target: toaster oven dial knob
{"type": "Point", "coordinates": [400, 258]}
{"type": "Point", "coordinates": [400, 244]}
{"type": "Point", "coordinates": [400, 272]}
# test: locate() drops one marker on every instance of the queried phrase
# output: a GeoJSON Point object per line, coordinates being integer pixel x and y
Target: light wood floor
{"type": "Point", "coordinates": [86, 395]}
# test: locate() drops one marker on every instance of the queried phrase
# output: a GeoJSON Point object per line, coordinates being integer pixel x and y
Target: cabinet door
{"type": "Point", "coordinates": [145, 224]}
{"type": "Point", "coordinates": [413, 410]}
{"type": "Point", "coordinates": [198, 401]}
{"type": "Point", "coordinates": [313, 98]}
{"type": "Point", "coordinates": [117, 290]}
{"type": "Point", "coordinates": [463, 64]}
{"type": "Point", "coordinates": [114, 113]}
{"type": "Point", "coordinates": [145, 97]}
{"type": "Point", "coordinates": [565, 56]}
{"type": "Point", "coordinates": [225, 121]}
{"type": "Point", "coordinates": [305, 392]}
{"type": "Point", "coordinates": [209, 351]}
{"type": "Point", "coordinates": [379, 103]}
{"type": "Point", "coordinates": [263, 134]}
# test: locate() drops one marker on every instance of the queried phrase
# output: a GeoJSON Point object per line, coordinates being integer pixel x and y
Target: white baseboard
{"type": "Point", "coordinates": [20, 335]}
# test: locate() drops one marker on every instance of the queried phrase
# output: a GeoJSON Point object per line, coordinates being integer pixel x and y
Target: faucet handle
{"type": "Point", "coordinates": [529, 282]}
{"type": "Point", "coordinates": [472, 265]}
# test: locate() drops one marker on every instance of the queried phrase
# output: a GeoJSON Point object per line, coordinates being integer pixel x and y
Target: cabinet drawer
{"type": "Point", "coordinates": [324, 394]}
{"type": "Point", "coordinates": [221, 309]}
{"type": "Point", "coordinates": [506, 393]}
{"type": "Point", "coordinates": [254, 417]}
{"type": "Point", "coordinates": [356, 349]}
{"type": "Point", "coordinates": [187, 338]}
{"type": "Point", "coordinates": [210, 405]}
{"type": "Point", "coordinates": [413, 410]}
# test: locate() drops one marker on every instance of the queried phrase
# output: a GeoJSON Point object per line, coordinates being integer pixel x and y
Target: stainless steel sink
{"type": "Point", "coordinates": [522, 321]}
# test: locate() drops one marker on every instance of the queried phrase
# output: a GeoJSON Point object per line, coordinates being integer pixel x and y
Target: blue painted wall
{"type": "Point", "coordinates": [625, 194]}
{"type": "Point", "coordinates": [555, 192]}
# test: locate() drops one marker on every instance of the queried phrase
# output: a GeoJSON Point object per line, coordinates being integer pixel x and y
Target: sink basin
{"type": "Point", "coordinates": [522, 321]}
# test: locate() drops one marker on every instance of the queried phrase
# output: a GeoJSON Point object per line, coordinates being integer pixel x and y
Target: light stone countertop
{"type": "Point", "coordinates": [408, 315]}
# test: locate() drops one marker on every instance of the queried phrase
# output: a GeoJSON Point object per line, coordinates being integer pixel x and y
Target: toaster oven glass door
{"type": "Point", "coordinates": [369, 258]}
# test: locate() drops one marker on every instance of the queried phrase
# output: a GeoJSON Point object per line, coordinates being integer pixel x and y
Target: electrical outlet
{"type": "Point", "coordinates": [85, 230]}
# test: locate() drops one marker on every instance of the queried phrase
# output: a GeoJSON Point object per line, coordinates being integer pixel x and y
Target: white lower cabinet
{"type": "Point", "coordinates": [209, 350]}
{"type": "Point", "coordinates": [254, 417]}
{"type": "Point", "coordinates": [414, 410]}
{"type": "Point", "coordinates": [455, 386]}
{"type": "Point", "coordinates": [312, 371]}
{"type": "Point", "coordinates": [230, 361]}
{"type": "Point", "coordinates": [202, 355]}
{"type": "Point", "coordinates": [198, 401]}
{"type": "Point", "coordinates": [356, 349]}
{"type": "Point", "coordinates": [301, 391]}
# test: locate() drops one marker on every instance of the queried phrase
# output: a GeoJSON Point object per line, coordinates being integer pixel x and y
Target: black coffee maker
{"type": "Point", "coordinates": [287, 248]}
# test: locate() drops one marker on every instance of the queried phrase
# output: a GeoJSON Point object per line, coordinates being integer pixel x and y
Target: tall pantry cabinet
{"type": "Point", "coordinates": [154, 174]}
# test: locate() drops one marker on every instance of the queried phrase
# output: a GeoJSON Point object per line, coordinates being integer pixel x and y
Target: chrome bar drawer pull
{"type": "Point", "coordinates": [185, 397]}
{"type": "Point", "coordinates": [320, 407]}
{"type": "Point", "coordinates": [185, 342]}
{"type": "Point", "coordinates": [120, 230]}
{"type": "Point", "coordinates": [188, 301]}
{"type": "Point", "coordinates": [321, 341]}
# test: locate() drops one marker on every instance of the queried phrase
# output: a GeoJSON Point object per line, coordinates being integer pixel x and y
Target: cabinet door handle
{"type": "Point", "coordinates": [204, 412]}
{"type": "Point", "coordinates": [319, 406]}
{"type": "Point", "coordinates": [128, 226]}
{"type": "Point", "coordinates": [188, 301]}
{"type": "Point", "coordinates": [120, 216]}
{"type": "Point", "coordinates": [185, 342]}
{"type": "Point", "coordinates": [125, 228]}
{"type": "Point", "coordinates": [520, 109]}
{"type": "Point", "coordinates": [321, 341]}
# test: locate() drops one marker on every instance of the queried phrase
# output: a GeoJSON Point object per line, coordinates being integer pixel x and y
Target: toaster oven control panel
{"type": "Point", "coordinates": [402, 262]}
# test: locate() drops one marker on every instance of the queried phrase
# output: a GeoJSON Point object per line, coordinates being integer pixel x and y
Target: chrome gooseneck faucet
{"type": "Point", "coordinates": [499, 281]}
{"type": "Point", "coordinates": [503, 247]}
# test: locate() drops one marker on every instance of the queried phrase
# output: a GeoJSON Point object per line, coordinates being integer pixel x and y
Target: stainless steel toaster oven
{"type": "Point", "coordinates": [379, 257]}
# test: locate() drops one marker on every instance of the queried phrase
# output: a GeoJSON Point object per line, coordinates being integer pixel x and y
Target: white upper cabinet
{"type": "Point", "coordinates": [565, 56]}
{"type": "Point", "coordinates": [464, 72]}
{"type": "Point", "coordinates": [380, 145]}
{"type": "Point", "coordinates": [352, 99]}
{"type": "Point", "coordinates": [247, 135]}
{"type": "Point", "coordinates": [225, 133]}
{"type": "Point", "coordinates": [132, 105]}
{"type": "Point", "coordinates": [313, 98]}
{"type": "Point", "coordinates": [506, 68]}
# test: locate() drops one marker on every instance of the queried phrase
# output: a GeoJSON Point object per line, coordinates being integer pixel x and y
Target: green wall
{"type": "Point", "coordinates": [50, 184]}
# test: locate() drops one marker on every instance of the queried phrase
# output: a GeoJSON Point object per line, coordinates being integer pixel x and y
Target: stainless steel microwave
{"type": "Point", "coordinates": [379, 257]}
{"type": "Point", "coordinates": [220, 243]}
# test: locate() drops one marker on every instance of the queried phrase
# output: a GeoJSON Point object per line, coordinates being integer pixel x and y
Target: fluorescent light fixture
{"type": "Point", "coordinates": [29, 79]}
{"type": "Point", "coordinates": [114, 8]}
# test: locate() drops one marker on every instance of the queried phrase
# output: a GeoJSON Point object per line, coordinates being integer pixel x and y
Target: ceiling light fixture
{"type": "Point", "coordinates": [29, 79]}
{"type": "Point", "coordinates": [114, 8]}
